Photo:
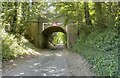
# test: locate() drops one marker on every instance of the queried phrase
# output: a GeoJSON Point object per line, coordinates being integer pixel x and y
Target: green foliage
{"type": "Point", "coordinates": [12, 47]}
{"type": "Point", "coordinates": [101, 15]}
{"type": "Point", "coordinates": [58, 38]}
{"type": "Point", "coordinates": [73, 11]}
{"type": "Point", "coordinates": [16, 16]}
{"type": "Point", "coordinates": [98, 41]}
{"type": "Point", "coordinates": [101, 50]}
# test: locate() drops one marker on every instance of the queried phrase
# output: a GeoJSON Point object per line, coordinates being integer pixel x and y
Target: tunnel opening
{"type": "Point", "coordinates": [54, 37]}
{"type": "Point", "coordinates": [57, 40]}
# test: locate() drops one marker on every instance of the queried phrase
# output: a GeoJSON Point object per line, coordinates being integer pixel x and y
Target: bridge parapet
{"type": "Point", "coordinates": [47, 25]}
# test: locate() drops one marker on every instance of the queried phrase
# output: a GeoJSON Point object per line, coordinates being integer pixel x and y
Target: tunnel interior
{"type": "Point", "coordinates": [53, 34]}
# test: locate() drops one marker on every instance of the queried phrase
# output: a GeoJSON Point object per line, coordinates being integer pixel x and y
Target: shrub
{"type": "Point", "coordinates": [11, 47]}
{"type": "Point", "coordinates": [101, 50]}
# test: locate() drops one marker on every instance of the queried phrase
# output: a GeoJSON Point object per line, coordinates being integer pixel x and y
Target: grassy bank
{"type": "Point", "coordinates": [15, 47]}
{"type": "Point", "coordinates": [100, 48]}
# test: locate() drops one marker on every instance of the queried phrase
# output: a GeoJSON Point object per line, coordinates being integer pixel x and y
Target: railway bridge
{"type": "Point", "coordinates": [39, 31]}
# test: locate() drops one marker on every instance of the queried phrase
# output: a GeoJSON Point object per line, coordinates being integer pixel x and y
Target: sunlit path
{"type": "Point", "coordinates": [52, 63]}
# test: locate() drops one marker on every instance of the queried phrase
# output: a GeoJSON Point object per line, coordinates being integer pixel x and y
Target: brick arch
{"type": "Point", "coordinates": [46, 32]}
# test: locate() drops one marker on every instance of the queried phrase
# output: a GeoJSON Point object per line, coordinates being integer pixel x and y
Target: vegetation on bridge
{"type": "Point", "coordinates": [97, 29]}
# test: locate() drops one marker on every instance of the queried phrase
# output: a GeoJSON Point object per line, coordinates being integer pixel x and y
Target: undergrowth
{"type": "Point", "coordinates": [14, 47]}
{"type": "Point", "coordinates": [101, 51]}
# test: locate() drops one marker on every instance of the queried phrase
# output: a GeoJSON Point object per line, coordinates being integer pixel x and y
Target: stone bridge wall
{"type": "Point", "coordinates": [72, 34]}
{"type": "Point", "coordinates": [34, 34]}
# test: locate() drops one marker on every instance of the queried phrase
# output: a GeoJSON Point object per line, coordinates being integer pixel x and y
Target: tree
{"type": "Point", "coordinates": [18, 15]}
{"type": "Point", "coordinates": [99, 15]}
{"type": "Point", "coordinates": [87, 15]}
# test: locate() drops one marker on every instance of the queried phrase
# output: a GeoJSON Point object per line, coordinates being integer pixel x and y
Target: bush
{"type": "Point", "coordinates": [11, 46]}
{"type": "Point", "coordinates": [101, 50]}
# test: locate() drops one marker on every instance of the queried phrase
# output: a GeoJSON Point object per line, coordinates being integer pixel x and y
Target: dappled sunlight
{"type": "Point", "coordinates": [53, 71]}
{"type": "Point", "coordinates": [89, 29]}
{"type": "Point", "coordinates": [48, 54]}
{"type": "Point", "coordinates": [28, 60]}
{"type": "Point", "coordinates": [52, 63]}
{"type": "Point", "coordinates": [30, 66]}
{"type": "Point", "coordinates": [36, 70]}
{"type": "Point", "coordinates": [20, 74]}
{"type": "Point", "coordinates": [35, 64]}
{"type": "Point", "coordinates": [33, 52]}
{"type": "Point", "coordinates": [48, 71]}
{"type": "Point", "coordinates": [31, 49]}
{"type": "Point", "coordinates": [14, 64]}
{"type": "Point", "coordinates": [59, 54]}
{"type": "Point", "coordinates": [14, 48]}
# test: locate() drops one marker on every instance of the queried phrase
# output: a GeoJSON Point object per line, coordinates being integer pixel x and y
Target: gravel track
{"type": "Point", "coordinates": [50, 63]}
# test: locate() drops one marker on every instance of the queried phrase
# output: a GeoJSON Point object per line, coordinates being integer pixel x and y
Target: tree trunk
{"type": "Point", "coordinates": [14, 21]}
{"type": "Point", "coordinates": [99, 15]}
{"type": "Point", "coordinates": [87, 15]}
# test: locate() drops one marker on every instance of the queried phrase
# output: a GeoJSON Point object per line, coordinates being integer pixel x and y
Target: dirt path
{"type": "Point", "coordinates": [50, 63]}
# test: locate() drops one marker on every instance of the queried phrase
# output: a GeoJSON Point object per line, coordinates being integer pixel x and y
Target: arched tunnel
{"type": "Point", "coordinates": [48, 31]}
